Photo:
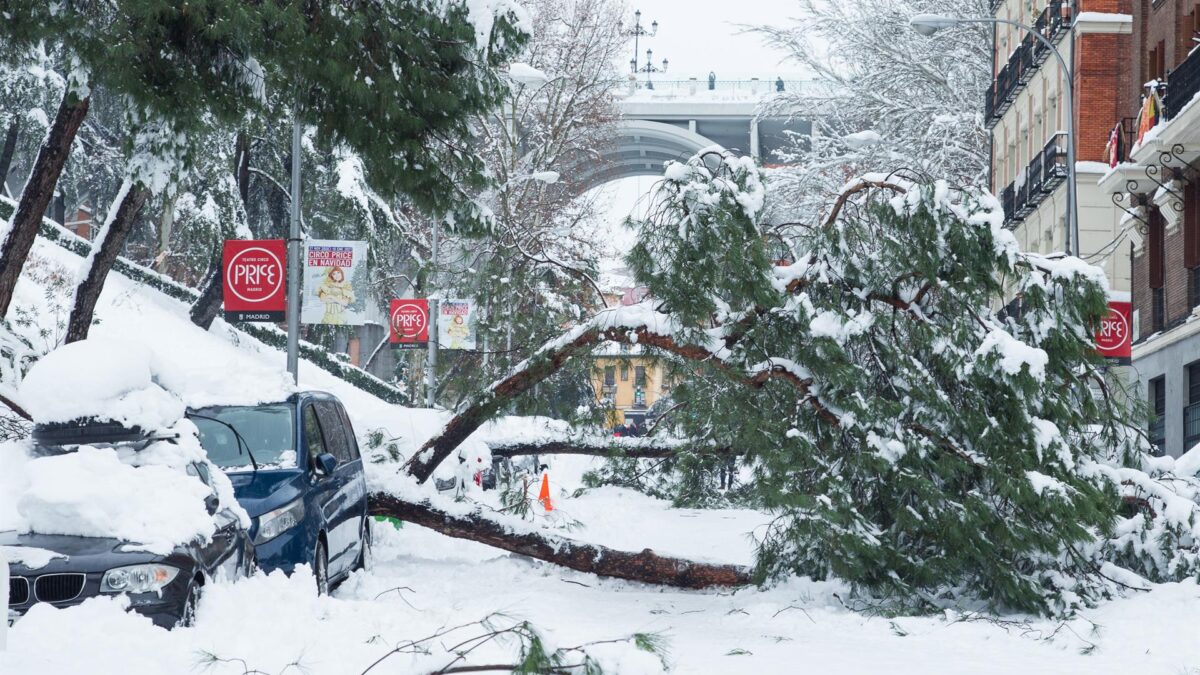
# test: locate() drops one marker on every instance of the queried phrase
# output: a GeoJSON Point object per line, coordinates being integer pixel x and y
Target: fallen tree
{"type": "Point", "coordinates": [645, 566]}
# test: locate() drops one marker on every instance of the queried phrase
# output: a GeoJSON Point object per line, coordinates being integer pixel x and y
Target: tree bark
{"type": "Point", "coordinates": [105, 250]}
{"type": "Point", "coordinates": [37, 193]}
{"type": "Point", "coordinates": [646, 566]}
{"type": "Point", "coordinates": [10, 148]}
{"type": "Point", "coordinates": [631, 451]}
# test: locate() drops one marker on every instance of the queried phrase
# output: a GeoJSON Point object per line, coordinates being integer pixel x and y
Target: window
{"type": "Point", "coordinates": [266, 431]}
{"type": "Point", "coordinates": [1191, 414]}
{"type": "Point", "coordinates": [1156, 273]}
{"type": "Point", "coordinates": [1194, 286]}
{"type": "Point", "coordinates": [1159, 308]}
{"type": "Point", "coordinates": [1157, 63]}
{"type": "Point", "coordinates": [1158, 406]}
{"type": "Point", "coordinates": [639, 376]}
{"type": "Point", "coordinates": [349, 431]}
{"type": "Point", "coordinates": [624, 372]}
{"type": "Point", "coordinates": [313, 438]}
{"type": "Point", "coordinates": [335, 432]}
{"type": "Point", "coordinates": [1191, 241]}
{"type": "Point", "coordinates": [610, 376]}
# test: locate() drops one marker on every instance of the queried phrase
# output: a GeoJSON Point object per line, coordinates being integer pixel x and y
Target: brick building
{"type": "Point", "coordinates": [1025, 110]}
{"type": "Point", "coordinates": [1156, 182]}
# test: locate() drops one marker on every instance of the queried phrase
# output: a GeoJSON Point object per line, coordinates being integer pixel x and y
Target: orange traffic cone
{"type": "Point", "coordinates": [544, 493]}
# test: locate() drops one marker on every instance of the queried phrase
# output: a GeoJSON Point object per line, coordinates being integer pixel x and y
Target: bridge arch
{"type": "Point", "coordinates": [640, 148]}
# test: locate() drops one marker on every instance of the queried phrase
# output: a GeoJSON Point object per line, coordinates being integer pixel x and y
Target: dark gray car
{"type": "Point", "coordinates": [165, 588]}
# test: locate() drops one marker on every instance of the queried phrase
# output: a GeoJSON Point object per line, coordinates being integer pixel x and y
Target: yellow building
{"type": "Point", "coordinates": [630, 379]}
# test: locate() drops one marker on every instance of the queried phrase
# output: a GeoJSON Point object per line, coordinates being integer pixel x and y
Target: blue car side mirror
{"type": "Point", "coordinates": [211, 504]}
{"type": "Point", "coordinates": [326, 463]}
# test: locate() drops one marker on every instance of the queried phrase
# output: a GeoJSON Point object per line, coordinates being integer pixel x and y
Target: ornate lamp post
{"type": "Point", "coordinates": [637, 33]}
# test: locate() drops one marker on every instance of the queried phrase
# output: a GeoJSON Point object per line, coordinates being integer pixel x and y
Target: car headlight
{"type": "Point", "coordinates": [274, 523]}
{"type": "Point", "coordinates": [149, 578]}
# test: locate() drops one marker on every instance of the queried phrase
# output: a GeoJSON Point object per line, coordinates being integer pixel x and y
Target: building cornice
{"type": "Point", "coordinates": [1102, 23]}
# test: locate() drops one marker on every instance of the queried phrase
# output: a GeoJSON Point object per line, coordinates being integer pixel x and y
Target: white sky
{"type": "Point", "coordinates": [702, 35]}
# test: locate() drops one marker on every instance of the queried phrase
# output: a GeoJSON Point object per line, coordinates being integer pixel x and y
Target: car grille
{"type": "Point", "coordinates": [59, 587]}
{"type": "Point", "coordinates": [18, 590]}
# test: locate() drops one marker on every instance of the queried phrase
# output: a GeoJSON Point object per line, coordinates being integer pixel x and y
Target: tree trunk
{"type": "Point", "coordinates": [204, 311]}
{"type": "Point", "coordinates": [166, 225]}
{"type": "Point", "coordinates": [37, 194]}
{"type": "Point", "coordinates": [615, 449]}
{"type": "Point", "coordinates": [646, 566]}
{"type": "Point", "coordinates": [10, 148]}
{"type": "Point", "coordinates": [483, 407]}
{"type": "Point", "coordinates": [105, 249]}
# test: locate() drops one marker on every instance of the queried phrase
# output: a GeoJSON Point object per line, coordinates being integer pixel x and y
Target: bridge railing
{"type": "Point", "coordinates": [752, 88]}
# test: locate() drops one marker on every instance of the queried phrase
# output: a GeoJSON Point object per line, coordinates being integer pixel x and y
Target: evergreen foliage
{"type": "Point", "coordinates": [911, 438]}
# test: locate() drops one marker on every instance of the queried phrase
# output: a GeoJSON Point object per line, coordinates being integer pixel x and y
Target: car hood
{"type": "Point", "coordinates": [44, 553]}
{"type": "Point", "coordinates": [262, 491]}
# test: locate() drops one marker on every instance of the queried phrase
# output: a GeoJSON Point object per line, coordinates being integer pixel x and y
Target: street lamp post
{"type": "Point", "coordinates": [928, 24]}
{"type": "Point", "coordinates": [636, 33]}
{"type": "Point", "coordinates": [650, 67]}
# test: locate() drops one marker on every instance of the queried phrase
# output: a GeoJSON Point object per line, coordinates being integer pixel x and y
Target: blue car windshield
{"type": "Point", "coordinates": [267, 430]}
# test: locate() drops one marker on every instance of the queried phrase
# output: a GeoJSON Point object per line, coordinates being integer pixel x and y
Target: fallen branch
{"type": "Point", "coordinates": [553, 357]}
{"type": "Point", "coordinates": [599, 449]}
{"type": "Point", "coordinates": [646, 566]}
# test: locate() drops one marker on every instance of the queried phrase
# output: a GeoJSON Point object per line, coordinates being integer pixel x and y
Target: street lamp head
{"type": "Point", "coordinates": [928, 24]}
{"type": "Point", "coordinates": [654, 27]}
{"type": "Point", "coordinates": [665, 62]}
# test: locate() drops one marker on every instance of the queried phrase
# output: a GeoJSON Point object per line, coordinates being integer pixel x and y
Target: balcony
{"type": "Point", "coordinates": [1041, 177]}
{"type": "Point", "coordinates": [1054, 163]}
{"type": "Point", "coordinates": [1182, 85]}
{"type": "Point", "coordinates": [1053, 23]}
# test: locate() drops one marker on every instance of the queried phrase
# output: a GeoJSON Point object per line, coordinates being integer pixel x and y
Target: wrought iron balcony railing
{"type": "Point", "coordinates": [1183, 83]}
{"type": "Point", "coordinates": [1045, 172]}
{"type": "Point", "coordinates": [1053, 23]}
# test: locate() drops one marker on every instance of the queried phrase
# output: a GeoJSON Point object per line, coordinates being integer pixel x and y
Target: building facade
{"type": "Point", "coordinates": [1026, 112]}
{"type": "Point", "coordinates": [629, 380]}
{"type": "Point", "coordinates": [1154, 178]}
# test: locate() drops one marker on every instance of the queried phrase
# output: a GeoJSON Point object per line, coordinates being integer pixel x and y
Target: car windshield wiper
{"type": "Point", "coordinates": [241, 441]}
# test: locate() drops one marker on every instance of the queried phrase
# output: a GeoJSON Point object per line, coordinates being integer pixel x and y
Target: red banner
{"type": "Point", "coordinates": [1114, 337]}
{"type": "Point", "coordinates": [255, 279]}
{"type": "Point", "coordinates": [409, 320]}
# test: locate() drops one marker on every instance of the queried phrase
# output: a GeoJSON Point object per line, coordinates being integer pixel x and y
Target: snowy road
{"type": "Point", "coordinates": [424, 582]}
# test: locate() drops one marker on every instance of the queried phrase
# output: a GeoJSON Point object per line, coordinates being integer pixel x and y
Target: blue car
{"type": "Point", "coordinates": [296, 469]}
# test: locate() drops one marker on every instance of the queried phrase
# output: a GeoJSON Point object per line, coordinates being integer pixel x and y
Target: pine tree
{"type": "Point", "coordinates": [911, 439]}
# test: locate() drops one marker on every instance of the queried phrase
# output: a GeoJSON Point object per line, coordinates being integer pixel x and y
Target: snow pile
{"type": "Point", "coordinates": [105, 379]}
{"type": "Point", "coordinates": [146, 497]}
